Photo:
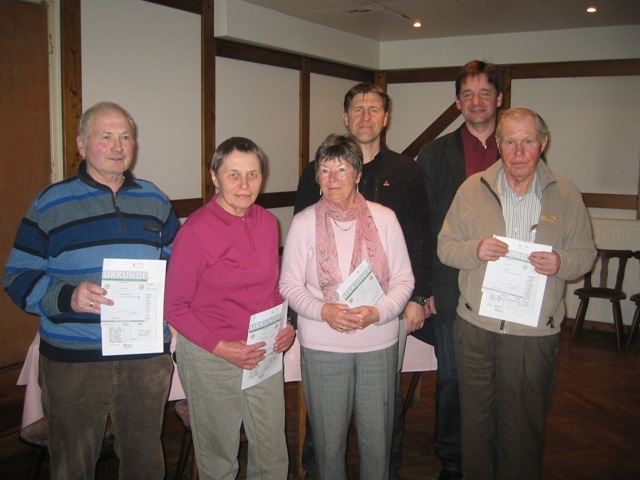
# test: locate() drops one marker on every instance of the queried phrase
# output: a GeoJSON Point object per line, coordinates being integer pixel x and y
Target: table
{"type": "Point", "coordinates": [32, 409]}
{"type": "Point", "coordinates": [418, 357]}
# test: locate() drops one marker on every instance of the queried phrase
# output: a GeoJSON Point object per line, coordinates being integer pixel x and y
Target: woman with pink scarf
{"type": "Point", "coordinates": [348, 355]}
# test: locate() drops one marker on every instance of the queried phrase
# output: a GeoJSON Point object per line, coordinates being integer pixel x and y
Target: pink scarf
{"type": "Point", "coordinates": [329, 275]}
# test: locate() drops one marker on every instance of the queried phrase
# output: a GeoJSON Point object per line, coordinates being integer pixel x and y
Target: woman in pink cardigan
{"type": "Point", "coordinates": [223, 269]}
{"type": "Point", "coordinates": [348, 355]}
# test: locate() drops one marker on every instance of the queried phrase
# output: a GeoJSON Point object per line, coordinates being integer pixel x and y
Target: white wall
{"type": "Point", "coordinates": [593, 124]}
{"type": "Point", "coordinates": [262, 103]}
{"type": "Point", "coordinates": [238, 20]}
{"type": "Point", "coordinates": [533, 47]}
{"type": "Point", "coordinates": [327, 95]}
{"type": "Point", "coordinates": [594, 131]}
{"type": "Point", "coordinates": [146, 57]}
{"type": "Point", "coordinates": [414, 106]}
{"type": "Point", "coordinates": [149, 61]}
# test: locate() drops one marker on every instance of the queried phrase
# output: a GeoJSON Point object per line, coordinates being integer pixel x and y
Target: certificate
{"type": "Point", "coordinates": [134, 323]}
{"type": "Point", "coordinates": [512, 290]}
{"type": "Point", "coordinates": [361, 287]}
{"type": "Point", "coordinates": [263, 327]}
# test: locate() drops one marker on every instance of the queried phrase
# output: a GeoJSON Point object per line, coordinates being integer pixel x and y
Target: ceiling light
{"type": "Point", "coordinates": [417, 24]}
{"type": "Point", "coordinates": [592, 9]}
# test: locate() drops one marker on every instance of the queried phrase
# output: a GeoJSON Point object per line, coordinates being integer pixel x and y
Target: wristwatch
{"type": "Point", "coordinates": [421, 299]}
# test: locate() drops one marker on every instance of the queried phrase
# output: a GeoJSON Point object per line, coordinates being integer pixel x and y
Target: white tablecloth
{"type": "Point", "coordinates": [419, 357]}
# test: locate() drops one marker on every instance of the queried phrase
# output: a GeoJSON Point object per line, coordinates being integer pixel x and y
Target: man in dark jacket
{"type": "Point", "coordinates": [446, 163]}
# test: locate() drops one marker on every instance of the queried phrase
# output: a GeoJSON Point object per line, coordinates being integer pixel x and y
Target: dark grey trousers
{"type": "Point", "coordinates": [78, 397]}
{"type": "Point", "coordinates": [505, 383]}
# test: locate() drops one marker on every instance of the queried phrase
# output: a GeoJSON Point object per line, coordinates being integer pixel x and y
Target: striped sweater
{"type": "Point", "coordinates": [68, 230]}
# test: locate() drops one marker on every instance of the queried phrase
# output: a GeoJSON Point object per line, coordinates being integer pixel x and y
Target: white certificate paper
{"type": "Point", "coordinates": [263, 327]}
{"type": "Point", "coordinates": [133, 324]}
{"type": "Point", "coordinates": [512, 290]}
{"type": "Point", "coordinates": [361, 287]}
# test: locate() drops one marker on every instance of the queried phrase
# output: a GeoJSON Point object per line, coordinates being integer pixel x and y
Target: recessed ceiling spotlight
{"type": "Point", "coordinates": [417, 24]}
{"type": "Point", "coordinates": [592, 9]}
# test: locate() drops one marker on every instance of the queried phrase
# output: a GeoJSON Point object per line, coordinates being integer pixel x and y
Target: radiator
{"type": "Point", "coordinates": [618, 235]}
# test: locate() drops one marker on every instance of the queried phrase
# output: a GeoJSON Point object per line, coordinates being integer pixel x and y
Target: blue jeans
{"type": "Point", "coordinates": [77, 398]}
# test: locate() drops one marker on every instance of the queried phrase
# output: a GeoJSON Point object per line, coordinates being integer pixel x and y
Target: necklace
{"type": "Point", "coordinates": [353, 222]}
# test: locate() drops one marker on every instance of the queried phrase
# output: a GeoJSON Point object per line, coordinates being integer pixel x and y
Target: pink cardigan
{"type": "Point", "coordinates": [223, 269]}
{"type": "Point", "coordinates": [299, 283]}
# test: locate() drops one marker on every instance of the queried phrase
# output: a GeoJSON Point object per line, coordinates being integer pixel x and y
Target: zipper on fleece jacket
{"type": "Point", "coordinates": [114, 197]}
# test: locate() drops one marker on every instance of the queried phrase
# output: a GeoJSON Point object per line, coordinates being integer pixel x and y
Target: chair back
{"type": "Point", "coordinates": [603, 259]}
{"type": "Point", "coordinates": [636, 254]}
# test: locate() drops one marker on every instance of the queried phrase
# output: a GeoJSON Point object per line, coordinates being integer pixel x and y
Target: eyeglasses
{"type": "Point", "coordinates": [341, 171]}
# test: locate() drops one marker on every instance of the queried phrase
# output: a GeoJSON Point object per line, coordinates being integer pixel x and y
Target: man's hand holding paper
{"type": "Point", "coordinates": [513, 289]}
{"type": "Point", "coordinates": [545, 263]}
{"type": "Point", "coordinates": [490, 249]}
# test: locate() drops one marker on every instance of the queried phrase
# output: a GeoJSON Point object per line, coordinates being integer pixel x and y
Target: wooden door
{"type": "Point", "coordinates": [25, 161]}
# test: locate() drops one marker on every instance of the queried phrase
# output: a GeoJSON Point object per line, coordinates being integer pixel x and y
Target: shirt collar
{"type": "Point", "coordinates": [503, 186]}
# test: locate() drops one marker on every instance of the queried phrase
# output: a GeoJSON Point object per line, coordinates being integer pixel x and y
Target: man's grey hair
{"type": "Point", "coordinates": [84, 125]}
{"type": "Point", "coordinates": [519, 113]}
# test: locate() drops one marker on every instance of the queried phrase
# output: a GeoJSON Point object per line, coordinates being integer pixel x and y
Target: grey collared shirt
{"type": "Point", "coordinates": [521, 213]}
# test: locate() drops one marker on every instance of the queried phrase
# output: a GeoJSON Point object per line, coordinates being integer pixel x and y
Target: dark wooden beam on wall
{"type": "Point", "coordinates": [277, 58]}
{"type": "Point", "coordinates": [305, 115]}
{"type": "Point", "coordinates": [71, 72]}
{"type": "Point", "coordinates": [506, 87]}
{"type": "Point", "coordinates": [610, 200]}
{"type": "Point", "coordinates": [208, 93]}
{"type": "Point", "coordinates": [380, 80]}
{"type": "Point", "coordinates": [434, 130]}
{"type": "Point", "coordinates": [254, 54]}
{"type": "Point", "coordinates": [276, 199]}
{"type": "Point", "coordinates": [423, 75]}
{"type": "Point", "coordinates": [193, 6]}
{"type": "Point", "coordinates": [186, 206]}
{"type": "Point", "coordinates": [638, 196]}
{"type": "Point", "coordinates": [597, 68]}
{"type": "Point", "coordinates": [338, 70]}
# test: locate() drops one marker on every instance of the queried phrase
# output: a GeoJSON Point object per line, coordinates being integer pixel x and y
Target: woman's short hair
{"type": "Point", "coordinates": [239, 144]}
{"type": "Point", "coordinates": [84, 125]}
{"type": "Point", "coordinates": [337, 147]}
